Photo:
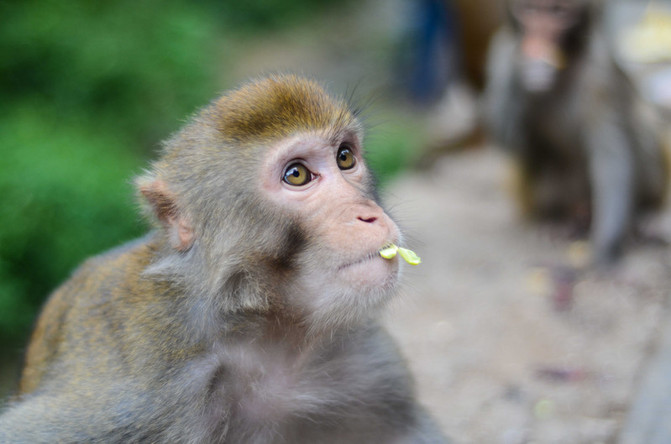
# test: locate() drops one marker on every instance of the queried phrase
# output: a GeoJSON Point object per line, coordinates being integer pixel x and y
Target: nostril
{"type": "Point", "coordinates": [369, 220]}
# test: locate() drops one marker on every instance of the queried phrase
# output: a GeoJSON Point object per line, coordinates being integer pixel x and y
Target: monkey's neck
{"type": "Point", "coordinates": [284, 326]}
{"type": "Point", "coordinates": [278, 328]}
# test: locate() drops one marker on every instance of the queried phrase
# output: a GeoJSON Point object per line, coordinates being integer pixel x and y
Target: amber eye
{"type": "Point", "coordinates": [297, 174]}
{"type": "Point", "coordinates": [345, 157]}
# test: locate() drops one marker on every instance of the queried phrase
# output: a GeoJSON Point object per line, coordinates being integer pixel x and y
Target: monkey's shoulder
{"type": "Point", "coordinates": [119, 265]}
{"type": "Point", "coordinates": [73, 313]}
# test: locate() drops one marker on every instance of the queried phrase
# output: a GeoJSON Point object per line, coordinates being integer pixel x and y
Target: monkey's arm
{"type": "Point", "coordinates": [503, 103]}
{"type": "Point", "coordinates": [611, 166]}
{"type": "Point", "coordinates": [29, 421]}
{"type": "Point", "coordinates": [41, 419]}
{"type": "Point", "coordinates": [77, 386]}
{"type": "Point", "coordinates": [62, 417]}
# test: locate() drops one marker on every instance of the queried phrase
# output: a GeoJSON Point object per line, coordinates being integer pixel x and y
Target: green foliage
{"type": "Point", "coordinates": [87, 89]}
{"type": "Point", "coordinates": [389, 145]}
{"type": "Point", "coordinates": [131, 66]}
{"type": "Point", "coordinates": [255, 15]}
{"type": "Point", "coordinates": [66, 194]}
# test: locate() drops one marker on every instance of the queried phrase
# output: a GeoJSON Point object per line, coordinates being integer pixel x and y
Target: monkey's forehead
{"type": "Point", "coordinates": [276, 107]}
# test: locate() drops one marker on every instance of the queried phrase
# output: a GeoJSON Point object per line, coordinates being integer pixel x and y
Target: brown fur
{"type": "Point", "coordinates": [282, 107]}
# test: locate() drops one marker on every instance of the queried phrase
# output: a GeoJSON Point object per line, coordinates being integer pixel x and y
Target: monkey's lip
{"type": "Point", "coordinates": [368, 257]}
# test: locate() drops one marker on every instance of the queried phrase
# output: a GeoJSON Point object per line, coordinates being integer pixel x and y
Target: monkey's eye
{"type": "Point", "coordinates": [345, 157]}
{"type": "Point", "coordinates": [297, 174]}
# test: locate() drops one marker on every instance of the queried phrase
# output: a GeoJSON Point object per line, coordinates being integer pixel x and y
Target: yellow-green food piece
{"type": "Point", "coordinates": [409, 256]}
{"type": "Point", "coordinates": [389, 252]}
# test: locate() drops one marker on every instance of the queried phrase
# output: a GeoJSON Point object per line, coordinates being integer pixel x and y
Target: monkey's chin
{"type": "Point", "coordinates": [538, 77]}
{"type": "Point", "coordinates": [346, 295]}
{"type": "Point", "coordinates": [351, 293]}
{"type": "Point", "coordinates": [370, 273]}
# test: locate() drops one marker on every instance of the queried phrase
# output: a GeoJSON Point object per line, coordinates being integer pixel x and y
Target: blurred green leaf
{"type": "Point", "coordinates": [66, 195]}
{"type": "Point", "coordinates": [87, 90]}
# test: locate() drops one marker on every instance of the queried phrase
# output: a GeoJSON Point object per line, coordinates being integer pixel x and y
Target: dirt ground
{"type": "Point", "coordinates": [508, 344]}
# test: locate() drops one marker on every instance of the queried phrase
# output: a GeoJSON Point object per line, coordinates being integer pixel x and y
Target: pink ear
{"type": "Point", "coordinates": [183, 238]}
{"type": "Point", "coordinates": [163, 202]}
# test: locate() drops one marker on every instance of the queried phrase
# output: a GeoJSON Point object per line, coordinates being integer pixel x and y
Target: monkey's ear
{"type": "Point", "coordinates": [163, 204]}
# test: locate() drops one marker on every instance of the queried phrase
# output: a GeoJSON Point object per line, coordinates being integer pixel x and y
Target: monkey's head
{"type": "Point", "coordinates": [265, 204]}
{"type": "Point", "coordinates": [551, 34]}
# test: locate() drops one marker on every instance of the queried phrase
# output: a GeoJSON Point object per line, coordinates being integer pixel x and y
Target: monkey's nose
{"type": "Point", "coordinates": [369, 220]}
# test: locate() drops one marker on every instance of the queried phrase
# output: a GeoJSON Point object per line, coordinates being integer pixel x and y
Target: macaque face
{"type": "Point", "coordinates": [544, 25]}
{"type": "Point", "coordinates": [323, 183]}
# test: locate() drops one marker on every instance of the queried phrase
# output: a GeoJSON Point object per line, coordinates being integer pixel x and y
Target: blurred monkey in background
{"type": "Point", "coordinates": [584, 145]}
{"type": "Point", "coordinates": [250, 314]}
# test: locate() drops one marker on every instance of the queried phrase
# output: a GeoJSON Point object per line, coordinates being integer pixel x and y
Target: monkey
{"type": "Point", "coordinates": [584, 145]}
{"type": "Point", "coordinates": [250, 313]}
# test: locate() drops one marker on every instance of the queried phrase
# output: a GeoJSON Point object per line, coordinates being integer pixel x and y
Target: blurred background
{"type": "Point", "coordinates": [88, 90]}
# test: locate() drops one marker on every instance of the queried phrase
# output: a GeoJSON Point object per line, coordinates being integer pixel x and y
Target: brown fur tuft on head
{"type": "Point", "coordinates": [276, 107]}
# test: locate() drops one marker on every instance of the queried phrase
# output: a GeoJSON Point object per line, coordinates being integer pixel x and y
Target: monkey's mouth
{"type": "Point", "coordinates": [369, 257]}
{"type": "Point", "coordinates": [369, 272]}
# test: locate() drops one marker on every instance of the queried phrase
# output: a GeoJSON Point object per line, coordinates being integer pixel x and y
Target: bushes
{"type": "Point", "coordinates": [87, 89]}
{"type": "Point", "coordinates": [65, 195]}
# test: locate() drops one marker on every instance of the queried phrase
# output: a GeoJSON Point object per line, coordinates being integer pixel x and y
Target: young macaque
{"type": "Point", "coordinates": [250, 314]}
{"type": "Point", "coordinates": [585, 147]}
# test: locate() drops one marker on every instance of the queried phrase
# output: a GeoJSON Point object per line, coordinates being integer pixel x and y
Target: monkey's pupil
{"type": "Point", "coordinates": [297, 175]}
{"type": "Point", "coordinates": [345, 159]}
